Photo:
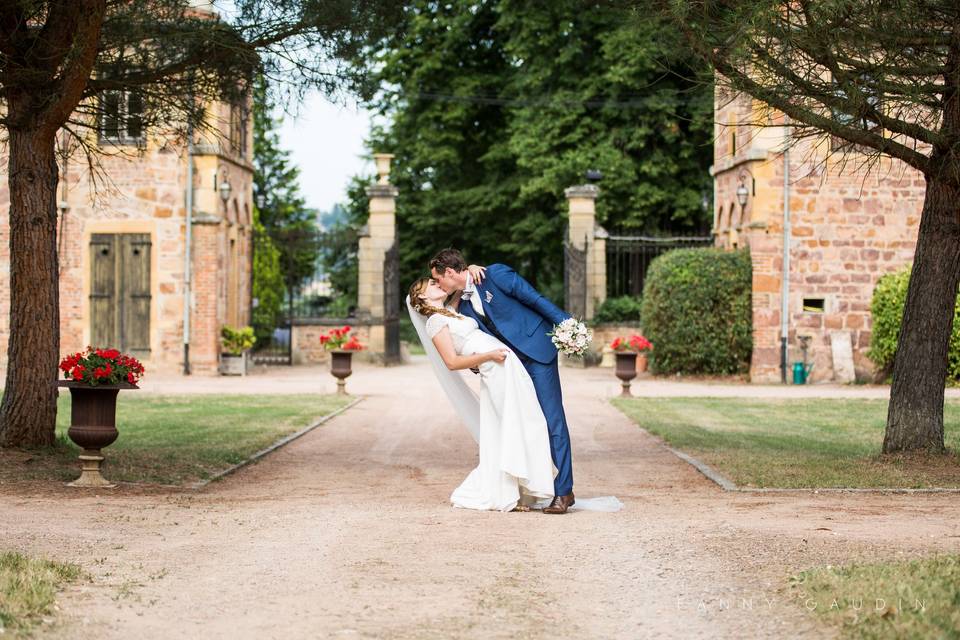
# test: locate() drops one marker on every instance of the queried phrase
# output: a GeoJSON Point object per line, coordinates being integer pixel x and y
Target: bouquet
{"type": "Point", "coordinates": [571, 337]}
{"type": "Point", "coordinates": [635, 342]}
{"type": "Point", "coordinates": [101, 366]}
{"type": "Point", "coordinates": [338, 339]}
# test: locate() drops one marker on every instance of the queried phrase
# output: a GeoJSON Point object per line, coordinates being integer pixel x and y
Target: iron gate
{"type": "Point", "coordinates": [391, 305]}
{"type": "Point", "coordinates": [575, 280]}
{"type": "Point", "coordinates": [304, 289]}
{"type": "Point", "coordinates": [629, 257]}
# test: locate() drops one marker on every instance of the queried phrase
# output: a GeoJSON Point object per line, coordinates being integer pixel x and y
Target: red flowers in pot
{"type": "Point", "coordinates": [101, 367]}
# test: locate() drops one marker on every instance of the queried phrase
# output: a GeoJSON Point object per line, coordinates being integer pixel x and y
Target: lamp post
{"type": "Point", "coordinates": [224, 189]}
{"type": "Point", "coordinates": [743, 193]}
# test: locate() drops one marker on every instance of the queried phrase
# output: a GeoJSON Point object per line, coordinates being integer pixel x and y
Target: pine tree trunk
{"type": "Point", "coordinates": [915, 414]}
{"type": "Point", "coordinates": [29, 409]}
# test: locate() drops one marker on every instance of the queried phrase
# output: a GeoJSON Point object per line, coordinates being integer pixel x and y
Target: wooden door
{"type": "Point", "coordinates": [120, 291]}
{"type": "Point", "coordinates": [103, 286]}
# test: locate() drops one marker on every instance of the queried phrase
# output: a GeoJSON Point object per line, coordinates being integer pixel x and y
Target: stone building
{"type": "Point", "coordinates": [850, 222]}
{"type": "Point", "coordinates": [122, 240]}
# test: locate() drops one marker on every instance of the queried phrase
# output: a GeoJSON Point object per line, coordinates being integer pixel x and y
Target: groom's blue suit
{"type": "Point", "coordinates": [521, 317]}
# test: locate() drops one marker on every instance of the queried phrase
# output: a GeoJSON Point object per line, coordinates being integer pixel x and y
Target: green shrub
{"type": "Point", "coordinates": [621, 309]}
{"type": "Point", "coordinates": [236, 341]}
{"type": "Point", "coordinates": [697, 311]}
{"type": "Point", "coordinates": [886, 308]}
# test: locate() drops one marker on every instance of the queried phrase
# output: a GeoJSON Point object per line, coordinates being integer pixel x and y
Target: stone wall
{"type": "Point", "coordinates": [850, 225]}
{"type": "Point", "coordinates": [306, 347]}
{"type": "Point", "coordinates": [144, 193]}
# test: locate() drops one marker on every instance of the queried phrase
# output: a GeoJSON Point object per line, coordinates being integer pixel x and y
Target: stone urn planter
{"type": "Point", "coordinates": [626, 370]}
{"type": "Point", "coordinates": [341, 366]}
{"type": "Point", "coordinates": [93, 426]}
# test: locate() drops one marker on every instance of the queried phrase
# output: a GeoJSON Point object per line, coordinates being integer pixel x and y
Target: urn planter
{"type": "Point", "coordinates": [341, 366]}
{"type": "Point", "coordinates": [626, 370]}
{"type": "Point", "coordinates": [93, 426]}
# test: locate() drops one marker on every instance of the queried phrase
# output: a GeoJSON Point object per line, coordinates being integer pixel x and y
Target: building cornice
{"type": "Point", "coordinates": [726, 165]}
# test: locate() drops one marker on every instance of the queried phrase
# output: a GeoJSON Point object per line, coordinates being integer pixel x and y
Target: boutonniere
{"type": "Point", "coordinates": [489, 296]}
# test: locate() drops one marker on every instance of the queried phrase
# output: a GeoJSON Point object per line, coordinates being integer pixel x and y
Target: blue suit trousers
{"type": "Point", "coordinates": [546, 380]}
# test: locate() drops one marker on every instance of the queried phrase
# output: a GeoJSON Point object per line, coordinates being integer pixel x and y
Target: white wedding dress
{"type": "Point", "coordinates": [515, 463]}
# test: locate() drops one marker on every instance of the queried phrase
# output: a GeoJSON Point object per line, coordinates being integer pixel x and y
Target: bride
{"type": "Point", "coordinates": [515, 469]}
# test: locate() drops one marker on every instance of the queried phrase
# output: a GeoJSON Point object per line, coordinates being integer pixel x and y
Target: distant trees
{"type": "Point", "coordinates": [494, 107]}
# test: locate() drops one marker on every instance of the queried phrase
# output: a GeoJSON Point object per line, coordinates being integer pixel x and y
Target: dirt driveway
{"type": "Point", "coordinates": [348, 533]}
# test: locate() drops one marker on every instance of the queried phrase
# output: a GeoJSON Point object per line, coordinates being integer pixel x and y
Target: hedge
{"type": "Point", "coordinates": [886, 309]}
{"type": "Point", "coordinates": [620, 309]}
{"type": "Point", "coordinates": [697, 311]}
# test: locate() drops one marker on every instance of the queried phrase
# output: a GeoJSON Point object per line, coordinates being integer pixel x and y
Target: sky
{"type": "Point", "coordinates": [326, 142]}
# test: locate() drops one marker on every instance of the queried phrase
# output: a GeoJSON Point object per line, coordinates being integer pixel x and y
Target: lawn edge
{"type": "Point", "coordinates": [727, 484]}
{"type": "Point", "coordinates": [196, 486]}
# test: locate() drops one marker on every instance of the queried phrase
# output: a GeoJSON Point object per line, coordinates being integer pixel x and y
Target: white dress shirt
{"type": "Point", "coordinates": [473, 296]}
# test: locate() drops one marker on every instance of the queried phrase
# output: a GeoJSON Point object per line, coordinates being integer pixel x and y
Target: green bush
{"type": "Point", "coordinates": [621, 309]}
{"type": "Point", "coordinates": [697, 311]}
{"type": "Point", "coordinates": [236, 341]}
{"type": "Point", "coordinates": [886, 308]}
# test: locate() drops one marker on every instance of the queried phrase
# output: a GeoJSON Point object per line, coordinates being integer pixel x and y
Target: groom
{"type": "Point", "coordinates": [508, 308]}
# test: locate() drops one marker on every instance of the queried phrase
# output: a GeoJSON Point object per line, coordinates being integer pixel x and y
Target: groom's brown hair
{"type": "Point", "coordinates": [448, 259]}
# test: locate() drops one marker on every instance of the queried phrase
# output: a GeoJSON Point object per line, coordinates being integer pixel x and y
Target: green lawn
{"type": "Point", "coordinates": [175, 439]}
{"type": "Point", "coordinates": [907, 599]}
{"type": "Point", "coordinates": [795, 443]}
{"type": "Point", "coordinates": [28, 587]}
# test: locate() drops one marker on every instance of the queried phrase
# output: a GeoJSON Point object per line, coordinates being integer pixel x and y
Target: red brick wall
{"type": "Point", "coordinates": [850, 225]}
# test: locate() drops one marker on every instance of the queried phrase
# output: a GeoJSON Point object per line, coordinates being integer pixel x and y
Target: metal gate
{"type": "Point", "coordinates": [391, 305]}
{"type": "Point", "coordinates": [575, 281]}
{"type": "Point", "coordinates": [629, 257]}
{"type": "Point", "coordinates": [302, 290]}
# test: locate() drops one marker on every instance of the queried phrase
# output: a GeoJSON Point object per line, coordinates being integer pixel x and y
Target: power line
{"type": "Point", "coordinates": [520, 102]}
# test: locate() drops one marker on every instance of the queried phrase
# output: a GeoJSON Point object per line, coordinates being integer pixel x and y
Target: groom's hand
{"type": "Point", "coordinates": [477, 272]}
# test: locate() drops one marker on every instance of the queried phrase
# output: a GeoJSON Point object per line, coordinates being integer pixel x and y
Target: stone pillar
{"type": "Point", "coordinates": [379, 235]}
{"type": "Point", "coordinates": [583, 233]}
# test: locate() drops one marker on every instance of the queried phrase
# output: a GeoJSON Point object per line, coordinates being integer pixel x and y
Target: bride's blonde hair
{"type": "Point", "coordinates": [420, 305]}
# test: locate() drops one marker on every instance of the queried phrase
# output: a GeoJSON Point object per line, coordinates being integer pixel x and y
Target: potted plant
{"type": "Point", "coordinates": [235, 344]}
{"type": "Point", "coordinates": [341, 347]}
{"type": "Point", "coordinates": [631, 357]}
{"type": "Point", "coordinates": [94, 378]}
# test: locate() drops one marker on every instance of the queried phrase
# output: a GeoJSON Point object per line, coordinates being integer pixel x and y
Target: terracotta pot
{"type": "Point", "coordinates": [626, 370]}
{"type": "Point", "coordinates": [341, 366]}
{"type": "Point", "coordinates": [93, 426]}
{"type": "Point", "coordinates": [641, 362]}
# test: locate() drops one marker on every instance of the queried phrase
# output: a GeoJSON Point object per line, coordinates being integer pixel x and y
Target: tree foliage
{"type": "Point", "coordinates": [885, 78]}
{"type": "Point", "coordinates": [284, 214]}
{"type": "Point", "coordinates": [494, 107]}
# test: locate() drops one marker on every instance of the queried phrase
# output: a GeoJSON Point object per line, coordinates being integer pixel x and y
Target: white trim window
{"type": "Point", "coordinates": [121, 117]}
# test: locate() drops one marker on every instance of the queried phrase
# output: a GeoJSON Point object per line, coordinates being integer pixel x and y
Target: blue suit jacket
{"type": "Point", "coordinates": [519, 312]}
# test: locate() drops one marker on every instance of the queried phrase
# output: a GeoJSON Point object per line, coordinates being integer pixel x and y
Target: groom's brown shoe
{"type": "Point", "coordinates": [560, 504]}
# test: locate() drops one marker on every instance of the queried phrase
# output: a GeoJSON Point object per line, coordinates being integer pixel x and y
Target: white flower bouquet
{"type": "Point", "coordinates": [571, 337]}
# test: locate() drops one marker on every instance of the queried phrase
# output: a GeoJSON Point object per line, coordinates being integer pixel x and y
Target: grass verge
{"type": "Point", "coordinates": [174, 439]}
{"type": "Point", "coordinates": [795, 443]}
{"type": "Point", "coordinates": [908, 599]}
{"type": "Point", "coordinates": [28, 588]}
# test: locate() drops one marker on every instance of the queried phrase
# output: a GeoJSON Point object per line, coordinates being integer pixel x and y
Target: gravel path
{"type": "Point", "coordinates": [347, 533]}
